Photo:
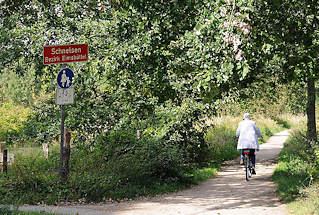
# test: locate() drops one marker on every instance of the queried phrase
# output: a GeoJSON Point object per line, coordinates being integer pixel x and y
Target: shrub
{"type": "Point", "coordinates": [12, 118]}
{"type": "Point", "coordinates": [181, 126]}
{"type": "Point", "coordinates": [42, 126]}
{"type": "Point", "coordinates": [298, 166]}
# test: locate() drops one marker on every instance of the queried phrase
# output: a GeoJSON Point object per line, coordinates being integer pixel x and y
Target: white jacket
{"type": "Point", "coordinates": [248, 134]}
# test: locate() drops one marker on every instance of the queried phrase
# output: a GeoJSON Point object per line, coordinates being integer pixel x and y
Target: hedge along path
{"type": "Point", "coordinates": [226, 194]}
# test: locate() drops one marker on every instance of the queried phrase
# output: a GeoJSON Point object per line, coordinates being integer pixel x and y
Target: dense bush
{"type": "Point", "coordinates": [31, 173]}
{"type": "Point", "coordinates": [43, 124]}
{"type": "Point", "coordinates": [181, 126]}
{"type": "Point", "coordinates": [298, 166]}
{"type": "Point", "coordinates": [170, 145]}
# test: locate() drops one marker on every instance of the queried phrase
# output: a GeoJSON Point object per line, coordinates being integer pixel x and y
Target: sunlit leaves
{"type": "Point", "coordinates": [290, 34]}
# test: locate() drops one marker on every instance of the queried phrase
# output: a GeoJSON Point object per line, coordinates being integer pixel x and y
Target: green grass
{"type": "Point", "coordinates": [289, 181]}
{"type": "Point", "coordinates": [308, 204]}
{"type": "Point", "coordinates": [291, 121]}
{"type": "Point", "coordinates": [297, 175]}
{"type": "Point", "coordinates": [5, 210]}
{"type": "Point", "coordinates": [203, 174]}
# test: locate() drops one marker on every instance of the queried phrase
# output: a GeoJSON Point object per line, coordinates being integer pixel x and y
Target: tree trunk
{"type": "Point", "coordinates": [311, 109]}
{"type": "Point", "coordinates": [5, 161]}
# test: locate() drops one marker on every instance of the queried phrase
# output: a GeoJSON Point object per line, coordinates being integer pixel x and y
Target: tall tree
{"type": "Point", "coordinates": [288, 30]}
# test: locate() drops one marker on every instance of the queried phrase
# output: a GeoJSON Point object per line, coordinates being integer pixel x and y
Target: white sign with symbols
{"type": "Point", "coordinates": [64, 96]}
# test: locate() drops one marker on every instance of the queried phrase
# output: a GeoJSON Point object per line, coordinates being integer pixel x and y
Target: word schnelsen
{"type": "Point", "coordinates": [65, 51]}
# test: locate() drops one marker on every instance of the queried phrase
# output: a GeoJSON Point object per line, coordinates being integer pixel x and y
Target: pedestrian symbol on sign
{"type": "Point", "coordinates": [65, 77]}
{"type": "Point", "coordinates": [65, 80]}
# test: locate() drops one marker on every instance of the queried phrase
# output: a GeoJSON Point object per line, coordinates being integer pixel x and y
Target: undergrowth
{"type": "Point", "coordinates": [95, 176]}
{"type": "Point", "coordinates": [308, 203]}
{"type": "Point", "coordinates": [297, 174]}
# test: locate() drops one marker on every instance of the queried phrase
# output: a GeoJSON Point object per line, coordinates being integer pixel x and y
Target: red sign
{"type": "Point", "coordinates": [65, 53]}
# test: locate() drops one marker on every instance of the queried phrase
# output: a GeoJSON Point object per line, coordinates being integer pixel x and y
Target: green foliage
{"type": "Point", "coordinates": [288, 39]}
{"type": "Point", "coordinates": [181, 126]}
{"type": "Point", "coordinates": [297, 100]}
{"type": "Point", "coordinates": [212, 53]}
{"type": "Point", "coordinates": [16, 85]}
{"type": "Point", "coordinates": [42, 126]}
{"type": "Point", "coordinates": [167, 57]}
{"type": "Point", "coordinates": [156, 57]}
{"type": "Point", "coordinates": [12, 118]}
{"type": "Point", "coordinates": [297, 168]}
{"type": "Point", "coordinates": [32, 173]}
{"type": "Point", "coordinates": [222, 142]}
{"type": "Point", "coordinates": [171, 145]}
{"type": "Point", "coordinates": [288, 36]}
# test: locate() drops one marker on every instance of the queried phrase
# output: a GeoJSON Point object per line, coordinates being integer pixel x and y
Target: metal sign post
{"type": "Point", "coordinates": [64, 96]}
{"type": "Point", "coordinates": [61, 169]}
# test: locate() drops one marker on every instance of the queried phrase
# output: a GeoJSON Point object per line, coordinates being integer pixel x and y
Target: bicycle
{"type": "Point", "coordinates": [248, 164]}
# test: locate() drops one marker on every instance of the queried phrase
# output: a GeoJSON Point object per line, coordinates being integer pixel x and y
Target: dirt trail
{"type": "Point", "coordinates": [226, 194]}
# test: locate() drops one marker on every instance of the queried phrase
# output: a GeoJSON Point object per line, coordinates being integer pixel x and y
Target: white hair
{"type": "Point", "coordinates": [247, 116]}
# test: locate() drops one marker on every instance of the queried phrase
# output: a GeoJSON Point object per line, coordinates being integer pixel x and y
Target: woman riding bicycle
{"type": "Point", "coordinates": [248, 133]}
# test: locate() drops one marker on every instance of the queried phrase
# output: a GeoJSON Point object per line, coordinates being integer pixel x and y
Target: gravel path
{"type": "Point", "coordinates": [226, 194]}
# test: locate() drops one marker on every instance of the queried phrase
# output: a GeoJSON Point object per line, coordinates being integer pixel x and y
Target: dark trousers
{"type": "Point", "coordinates": [251, 155]}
